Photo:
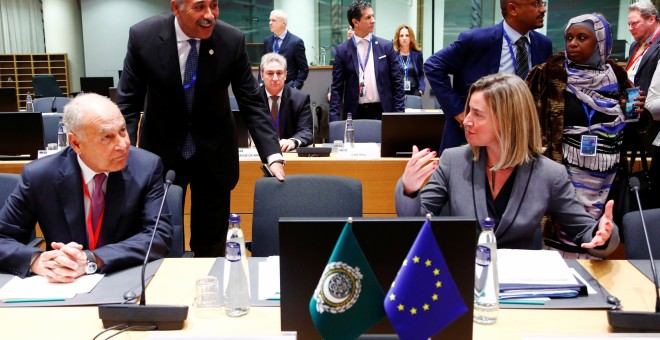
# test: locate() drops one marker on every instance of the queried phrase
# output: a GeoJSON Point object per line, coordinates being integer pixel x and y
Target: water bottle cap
{"type": "Point", "coordinates": [234, 218]}
{"type": "Point", "coordinates": [488, 223]}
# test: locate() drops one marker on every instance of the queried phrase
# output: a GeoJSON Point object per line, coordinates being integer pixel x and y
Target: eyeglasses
{"type": "Point", "coordinates": [538, 4]}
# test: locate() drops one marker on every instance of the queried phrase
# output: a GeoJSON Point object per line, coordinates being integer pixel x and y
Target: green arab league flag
{"type": "Point", "coordinates": [348, 299]}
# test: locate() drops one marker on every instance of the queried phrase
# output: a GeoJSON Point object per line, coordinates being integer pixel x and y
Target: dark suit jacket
{"type": "Point", "coordinates": [475, 54]}
{"type": "Point", "coordinates": [295, 119]}
{"type": "Point", "coordinates": [417, 62]}
{"type": "Point", "coordinates": [293, 50]}
{"type": "Point", "coordinates": [346, 74]}
{"type": "Point", "coordinates": [646, 66]}
{"type": "Point", "coordinates": [151, 70]}
{"type": "Point", "coordinates": [458, 185]}
{"type": "Point", "coordinates": [50, 193]}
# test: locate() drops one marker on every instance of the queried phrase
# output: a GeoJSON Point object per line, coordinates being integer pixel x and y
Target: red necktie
{"type": "Point", "coordinates": [98, 203]}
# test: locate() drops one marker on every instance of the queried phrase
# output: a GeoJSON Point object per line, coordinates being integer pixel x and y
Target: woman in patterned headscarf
{"type": "Point", "coordinates": [579, 98]}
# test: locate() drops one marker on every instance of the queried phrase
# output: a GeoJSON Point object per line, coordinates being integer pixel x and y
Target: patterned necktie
{"type": "Point", "coordinates": [189, 79]}
{"type": "Point", "coordinates": [368, 82]}
{"type": "Point", "coordinates": [274, 111]}
{"type": "Point", "coordinates": [522, 57]}
{"type": "Point", "coordinates": [98, 204]}
{"type": "Point", "coordinates": [276, 45]}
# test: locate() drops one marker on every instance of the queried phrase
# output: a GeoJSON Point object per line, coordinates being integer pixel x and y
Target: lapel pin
{"type": "Point", "coordinates": [211, 52]}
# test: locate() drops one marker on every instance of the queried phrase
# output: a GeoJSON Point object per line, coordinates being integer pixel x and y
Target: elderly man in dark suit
{"type": "Point", "coordinates": [96, 201]}
{"type": "Point", "coordinates": [365, 74]}
{"type": "Point", "coordinates": [483, 51]}
{"type": "Point", "coordinates": [290, 112]}
{"type": "Point", "coordinates": [183, 64]}
{"type": "Point", "coordinates": [289, 46]}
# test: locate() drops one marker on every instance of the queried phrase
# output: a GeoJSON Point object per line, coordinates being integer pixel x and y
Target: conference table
{"type": "Point", "coordinates": [174, 283]}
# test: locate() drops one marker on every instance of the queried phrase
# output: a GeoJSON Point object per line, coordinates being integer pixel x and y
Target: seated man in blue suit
{"type": "Point", "coordinates": [483, 51]}
{"type": "Point", "coordinates": [289, 108]}
{"type": "Point", "coordinates": [365, 76]}
{"type": "Point", "coordinates": [96, 201]}
{"type": "Point", "coordinates": [290, 46]}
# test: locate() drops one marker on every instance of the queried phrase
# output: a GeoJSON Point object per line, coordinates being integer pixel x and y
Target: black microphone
{"type": "Point", "coordinates": [638, 321]}
{"type": "Point", "coordinates": [313, 151]}
{"type": "Point", "coordinates": [52, 105]}
{"type": "Point", "coordinates": [162, 317]}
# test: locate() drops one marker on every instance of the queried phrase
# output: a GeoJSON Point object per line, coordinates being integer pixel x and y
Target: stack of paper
{"type": "Point", "coordinates": [535, 273]}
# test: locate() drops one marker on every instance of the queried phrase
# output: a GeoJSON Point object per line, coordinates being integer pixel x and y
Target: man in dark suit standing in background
{"type": "Point", "coordinates": [183, 63]}
{"type": "Point", "coordinates": [290, 111]}
{"type": "Point", "coordinates": [511, 46]}
{"type": "Point", "coordinates": [96, 201]}
{"type": "Point", "coordinates": [290, 46]}
{"type": "Point", "coordinates": [365, 77]}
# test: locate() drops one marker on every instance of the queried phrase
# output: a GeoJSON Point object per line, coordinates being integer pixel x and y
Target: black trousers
{"type": "Point", "coordinates": [369, 111]}
{"type": "Point", "coordinates": [210, 202]}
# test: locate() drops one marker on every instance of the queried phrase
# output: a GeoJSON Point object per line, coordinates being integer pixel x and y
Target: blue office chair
{"type": "Point", "coordinates": [50, 104]}
{"type": "Point", "coordinates": [366, 130]}
{"type": "Point", "coordinates": [8, 183]}
{"type": "Point", "coordinates": [299, 196]}
{"type": "Point", "coordinates": [413, 102]}
{"type": "Point", "coordinates": [175, 202]}
{"type": "Point", "coordinates": [633, 233]}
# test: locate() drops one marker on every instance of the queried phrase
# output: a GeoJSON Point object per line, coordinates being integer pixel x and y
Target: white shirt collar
{"type": "Point", "coordinates": [281, 36]}
{"type": "Point", "coordinates": [269, 95]}
{"type": "Point", "coordinates": [180, 36]}
{"type": "Point", "coordinates": [513, 34]}
{"type": "Point", "coordinates": [358, 39]}
{"type": "Point", "coordinates": [87, 173]}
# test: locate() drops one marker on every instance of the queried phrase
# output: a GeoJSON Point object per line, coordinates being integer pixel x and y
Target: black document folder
{"type": "Point", "coordinates": [110, 289]}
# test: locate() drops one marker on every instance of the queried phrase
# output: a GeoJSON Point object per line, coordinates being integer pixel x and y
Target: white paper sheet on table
{"type": "Point", "coordinates": [269, 279]}
{"type": "Point", "coordinates": [38, 287]}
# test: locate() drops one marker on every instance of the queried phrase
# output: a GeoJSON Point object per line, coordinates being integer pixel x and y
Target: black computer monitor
{"type": "Point", "coordinates": [8, 100]}
{"type": "Point", "coordinates": [307, 243]}
{"type": "Point", "coordinates": [99, 85]}
{"type": "Point", "coordinates": [21, 135]}
{"type": "Point", "coordinates": [400, 131]}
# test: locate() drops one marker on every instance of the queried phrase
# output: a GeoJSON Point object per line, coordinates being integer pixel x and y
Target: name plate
{"type": "Point", "coordinates": [360, 151]}
{"type": "Point", "coordinates": [248, 154]}
{"type": "Point", "coordinates": [44, 153]}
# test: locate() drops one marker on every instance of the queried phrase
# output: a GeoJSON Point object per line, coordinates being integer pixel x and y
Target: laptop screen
{"type": "Point", "coordinates": [21, 133]}
{"type": "Point", "coordinates": [307, 243]}
{"type": "Point", "coordinates": [99, 85]}
{"type": "Point", "coordinates": [400, 131]}
{"type": "Point", "coordinates": [8, 100]}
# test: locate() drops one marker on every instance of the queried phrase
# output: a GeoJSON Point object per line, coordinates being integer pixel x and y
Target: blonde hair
{"type": "Point", "coordinates": [512, 105]}
{"type": "Point", "coordinates": [413, 42]}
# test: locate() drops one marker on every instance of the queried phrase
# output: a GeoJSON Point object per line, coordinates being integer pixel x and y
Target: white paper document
{"type": "Point", "coordinates": [38, 287]}
{"type": "Point", "coordinates": [517, 266]}
{"type": "Point", "coordinates": [269, 279]}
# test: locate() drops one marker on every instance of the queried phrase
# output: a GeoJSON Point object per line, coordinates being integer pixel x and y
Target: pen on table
{"type": "Point", "coordinates": [521, 302]}
{"type": "Point", "coordinates": [32, 300]}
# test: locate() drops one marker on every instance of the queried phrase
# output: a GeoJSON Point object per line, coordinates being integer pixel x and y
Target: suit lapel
{"type": "Point", "coordinates": [495, 52]}
{"type": "Point", "coordinates": [207, 66]}
{"type": "Point", "coordinates": [631, 53]}
{"type": "Point", "coordinates": [649, 52]}
{"type": "Point", "coordinates": [377, 53]}
{"type": "Point", "coordinates": [115, 198]}
{"type": "Point", "coordinates": [168, 56]}
{"type": "Point", "coordinates": [70, 192]}
{"type": "Point", "coordinates": [285, 42]}
{"type": "Point", "coordinates": [479, 187]}
{"type": "Point", "coordinates": [284, 109]}
{"type": "Point", "coordinates": [517, 195]}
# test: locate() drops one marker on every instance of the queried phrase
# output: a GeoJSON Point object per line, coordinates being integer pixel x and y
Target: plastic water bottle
{"type": "Point", "coordinates": [62, 141]}
{"type": "Point", "coordinates": [349, 132]}
{"type": "Point", "coordinates": [236, 280]}
{"type": "Point", "coordinates": [486, 283]}
{"type": "Point", "coordinates": [29, 105]}
{"type": "Point", "coordinates": [322, 55]}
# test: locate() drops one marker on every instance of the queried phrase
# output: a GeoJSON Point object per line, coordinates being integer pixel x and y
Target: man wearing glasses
{"type": "Point", "coordinates": [512, 46]}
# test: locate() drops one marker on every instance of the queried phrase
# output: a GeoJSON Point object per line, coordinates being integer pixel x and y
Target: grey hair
{"type": "Point", "coordinates": [645, 8]}
{"type": "Point", "coordinates": [74, 112]}
{"type": "Point", "coordinates": [270, 57]}
{"type": "Point", "coordinates": [180, 4]}
{"type": "Point", "coordinates": [278, 13]}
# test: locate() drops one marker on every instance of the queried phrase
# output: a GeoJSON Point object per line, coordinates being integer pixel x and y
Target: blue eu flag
{"type": "Point", "coordinates": [423, 298]}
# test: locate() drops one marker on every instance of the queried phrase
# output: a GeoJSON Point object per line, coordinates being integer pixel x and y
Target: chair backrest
{"type": "Point", "coordinates": [299, 196]}
{"type": "Point", "coordinates": [51, 124]}
{"type": "Point", "coordinates": [633, 233]}
{"type": "Point", "coordinates": [45, 85]}
{"type": "Point", "coordinates": [47, 104]}
{"type": "Point", "coordinates": [366, 130]}
{"type": "Point", "coordinates": [8, 183]}
{"type": "Point", "coordinates": [174, 201]}
{"type": "Point", "coordinates": [413, 102]}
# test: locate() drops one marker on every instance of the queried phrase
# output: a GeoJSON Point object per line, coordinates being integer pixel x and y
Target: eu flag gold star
{"type": "Point", "coordinates": [434, 297]}
{"type": "Point", "coordinates": [416, 259]}
{"type": "Point", "coordinates": [438, 284]}
{"type": "Point", "coordinates": [392, 297]}
{"type": "Point", "coordinates": [426, 306]}
{"type": "Point", "coordinates": [428, 263]}
{"type": "Point", "coordinates": [405, 262]}
{"type": "Point", "coordinates": [400, 307]}
{"type": "Point", "coordinates": [436, 272]}
{"type": "Point", "coordinates": [413, 311]}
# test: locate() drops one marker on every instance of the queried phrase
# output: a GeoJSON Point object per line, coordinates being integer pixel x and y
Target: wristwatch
{"type": "Point", "coordinates": [91, 266]}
